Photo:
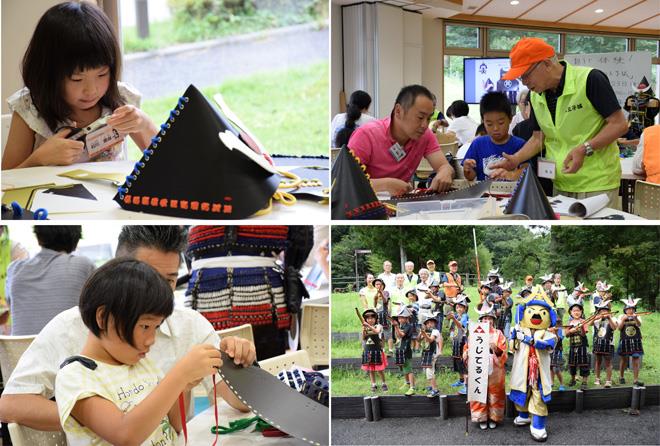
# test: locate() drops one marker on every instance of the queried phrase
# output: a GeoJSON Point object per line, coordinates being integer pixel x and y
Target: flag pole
{"type": "Point", "coordinates": [476, 256]}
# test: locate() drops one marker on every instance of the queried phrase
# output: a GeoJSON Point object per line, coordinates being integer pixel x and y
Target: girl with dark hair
{"type": "Point", "coordinates": [461, 123]}
{"type": "Point", "coordinates": [71, 70]}
{"type": "Point", "coordinates": [344, 124]}
{"type": "Point", "coordinates": [113, 392]}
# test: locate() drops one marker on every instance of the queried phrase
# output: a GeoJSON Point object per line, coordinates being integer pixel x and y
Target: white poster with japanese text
{"type": "Point", "coordinates": [624, 70]}
{"type": "Point", "coordinates": [478, 360]}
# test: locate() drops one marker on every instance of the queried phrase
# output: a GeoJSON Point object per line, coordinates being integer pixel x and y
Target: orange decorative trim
{"type": "Point", "coordinates": [204, 206]}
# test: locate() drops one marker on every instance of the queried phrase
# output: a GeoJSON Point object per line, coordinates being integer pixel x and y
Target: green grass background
{"type": "Point", "coordinates": [356, 382]}
{"type": "Point", "coordinates": [287, 110]}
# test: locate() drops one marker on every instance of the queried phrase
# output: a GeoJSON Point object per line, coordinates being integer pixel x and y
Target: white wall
{"type": "Point", "coordinates": [432, 60]}
{"type": "Point", "coordinates": [390, 57]}
{"type": "Point", "coordinates": [337, 64]}
{"type": "Point", "coordinates": [383, 50]}
{"type": "Point", "coordinates": [19, 18]}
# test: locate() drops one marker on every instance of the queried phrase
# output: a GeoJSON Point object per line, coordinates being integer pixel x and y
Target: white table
{"type": "Point", "coordinates": [304, 211]}
{"type": "Point", "coordinates": [628, 179]}
{"type": "Point", "coordinates": [199, 430]}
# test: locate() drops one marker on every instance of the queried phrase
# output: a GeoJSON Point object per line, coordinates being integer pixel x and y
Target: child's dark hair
{"type": "Point", "coordinates": [359, 100]}
{"type": "Point", "coordinates": [58, 238]}
{"type": "Point", "coordinates": [459, 108]}
{"type": "Point", "coordinates": [126, 289]}
{"type": "Point", "coordinates": [481, 130]}
{"type": "Point", "coordinates": [69, 36]}
{"type": "Point", "coordinates": [494, 101]}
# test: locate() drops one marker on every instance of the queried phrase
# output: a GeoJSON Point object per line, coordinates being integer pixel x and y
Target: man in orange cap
{"type": "Point", "coordinates": [576, 111]}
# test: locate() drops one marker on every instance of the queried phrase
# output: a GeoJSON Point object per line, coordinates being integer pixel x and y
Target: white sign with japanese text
{"type": "Point", "coordinates": [624, 70]}
{"type": "Point", "coordinates": [478, 361]}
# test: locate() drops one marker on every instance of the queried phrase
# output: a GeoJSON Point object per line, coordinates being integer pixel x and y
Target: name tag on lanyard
{"type": "Point", "coordinates": [546, 168]}
{"type": "Point", "coordinates": [397, 152]}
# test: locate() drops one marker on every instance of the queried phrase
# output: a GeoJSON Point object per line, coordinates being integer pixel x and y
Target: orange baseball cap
{"type": "Point", "coordinates": [525, 53]}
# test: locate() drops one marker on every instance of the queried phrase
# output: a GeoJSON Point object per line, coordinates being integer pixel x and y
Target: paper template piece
{"type": "Point", "coordinates": [583, 208]}
{"type": "Point", "coordinates": [58, 203]}
{"type": "Point", "coordinates": [250, 139]}
{"type": "Point", "coordinates": [82, 175]}
{"type": "Point", "coordinates": [75, 191]}
{"type": "Point", "coordinates": [277, 403]}
{"type": "Point", "coordinates": [23, 195]}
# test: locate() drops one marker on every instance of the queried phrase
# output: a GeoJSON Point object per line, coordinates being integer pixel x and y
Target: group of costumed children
{"type": "Point", "coordinates": [535, 340]}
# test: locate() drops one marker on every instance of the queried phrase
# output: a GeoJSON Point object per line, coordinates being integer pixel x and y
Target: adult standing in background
{"type": "Point", "coordinates": [343, 124]}
{"type": "Point", "coordinates": [433, 274]}
{"type": "Point", "coordinates": [410, 279]}
{"type": "Point", "coordinates": [392, 148]}
{"type": "Point", "coordinates": [523, 110]}
{"type": "Point", "coordinates": [367, 292]}
{"type": "Point", "coordinates": [398, 294]}
{"type": "Point", "coordinates": [387, 276]}
{"type": "Point", "coordinates": [40, 288]}
{"type": "Point", "coordinates": [576, 111]}
{"type": "Point", "coordinates": [452, 285]}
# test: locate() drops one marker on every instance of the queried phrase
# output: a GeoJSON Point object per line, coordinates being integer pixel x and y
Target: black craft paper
{"type": "Point", "coordinates": [196, 173]}
{"type": "Point", "coordinates": [75, 191]}
{"type": "Point", "coordinates": [278, 404]}
{"type": "Point", "coordinates": [529, 199]}
{"type": "Point", "coordinates": [352, 194]}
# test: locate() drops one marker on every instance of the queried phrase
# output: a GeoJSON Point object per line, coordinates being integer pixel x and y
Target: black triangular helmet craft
{"type": "Point", "coordinates": [528, 198]}
{"type": "Point", "coordinates": [352, 194]}
{"type": "Point", "coordinates": [200, 165]}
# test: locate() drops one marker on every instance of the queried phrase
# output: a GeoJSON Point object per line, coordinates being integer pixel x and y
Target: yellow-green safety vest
{"type": "Point", "coordinates": [577, 121]}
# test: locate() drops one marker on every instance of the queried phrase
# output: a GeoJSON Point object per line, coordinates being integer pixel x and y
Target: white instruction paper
{"type": "Point", "coordinates": [583, 207]}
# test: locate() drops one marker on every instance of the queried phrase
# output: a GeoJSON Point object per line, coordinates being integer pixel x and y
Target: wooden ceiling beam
{"type": "Point", "coordinates": [555, 27]}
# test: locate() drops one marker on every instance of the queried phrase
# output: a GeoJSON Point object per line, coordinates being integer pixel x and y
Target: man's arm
{"type": "Point", "coordinates": [26, 398]}
{"type": "Point", "coordinates": [511, 162]}
{"type": "Point", "coordinates": [393, 186]}
{"type": "Point", "coordinates": [615, 126]}
{"type": "Point", "coordinates": [444, 172]}
{"type": "Point", "coordinates": [30, 410]}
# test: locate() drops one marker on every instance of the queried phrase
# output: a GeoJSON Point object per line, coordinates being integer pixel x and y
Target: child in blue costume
{"type": "Point", "coordinates": [531, 383]}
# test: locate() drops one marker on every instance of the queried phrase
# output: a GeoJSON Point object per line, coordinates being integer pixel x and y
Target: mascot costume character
{"type": "Point", "coordinates": [532, 344]}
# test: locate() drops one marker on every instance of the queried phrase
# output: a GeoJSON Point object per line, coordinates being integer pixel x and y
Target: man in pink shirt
{"type": "Point", "coordinates": [392, 148]}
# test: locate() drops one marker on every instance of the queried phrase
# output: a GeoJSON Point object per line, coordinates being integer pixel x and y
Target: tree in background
{"type": "Point", "coordinates": [626, 256]}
